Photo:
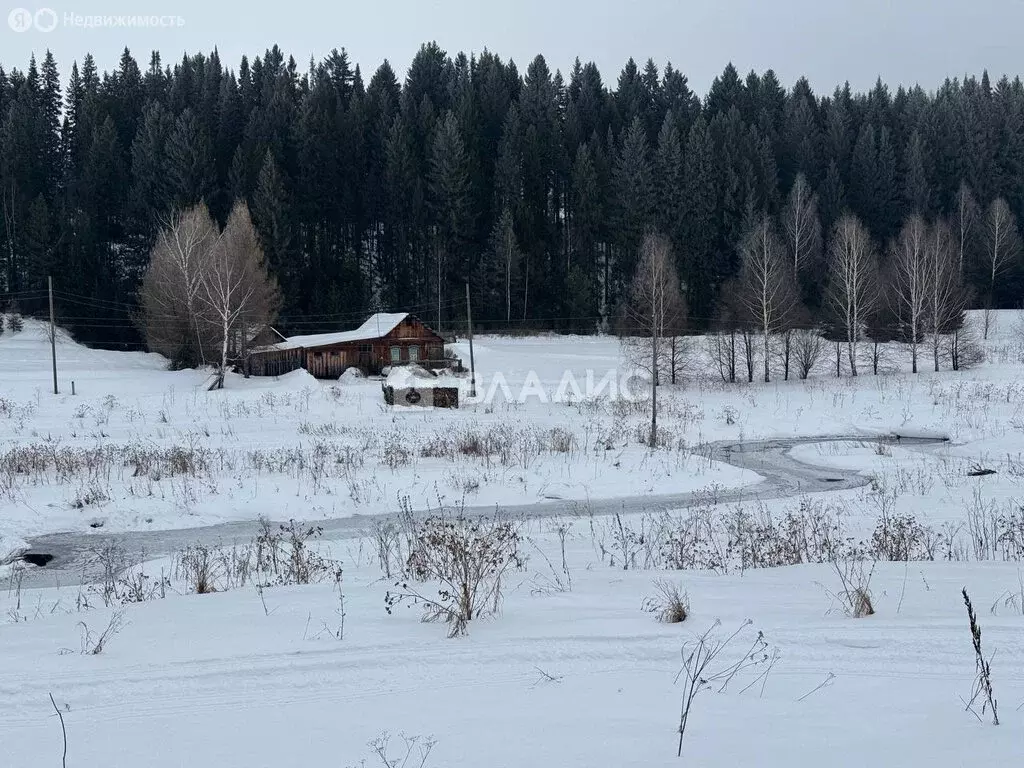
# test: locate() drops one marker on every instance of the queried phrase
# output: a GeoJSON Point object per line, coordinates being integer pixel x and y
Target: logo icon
{"type": "Point", "coordinates": [45, 20]}
{"type": "Point", "coordinates": [20, 19]}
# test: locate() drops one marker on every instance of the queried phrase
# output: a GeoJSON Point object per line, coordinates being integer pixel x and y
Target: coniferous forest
{"type": "Point", "coordinates": [536, 186]}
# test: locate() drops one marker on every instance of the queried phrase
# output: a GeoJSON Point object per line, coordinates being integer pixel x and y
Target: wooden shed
{"type": "Point", "coordinates": [384, 339]}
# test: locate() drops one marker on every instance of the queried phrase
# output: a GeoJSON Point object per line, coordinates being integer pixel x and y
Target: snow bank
{"type": "Point", "coordinates": [352, 376]}
{"type": "Point", "coordinates": [11, 549]}
{"type": "Point", "coordinates": [416, 377]}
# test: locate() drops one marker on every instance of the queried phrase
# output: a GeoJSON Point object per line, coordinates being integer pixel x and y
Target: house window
{"type": "Point", "coordinates": [396, 354]}
{"type": "Point", "coordinates": [414, 353]}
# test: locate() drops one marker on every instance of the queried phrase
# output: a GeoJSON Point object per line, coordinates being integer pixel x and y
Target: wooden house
{"type": "Point", "coordinates": [385, 339]}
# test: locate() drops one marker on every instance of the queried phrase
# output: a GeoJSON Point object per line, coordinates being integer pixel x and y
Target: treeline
{"type": "Point", "coordinates": [536, 187]}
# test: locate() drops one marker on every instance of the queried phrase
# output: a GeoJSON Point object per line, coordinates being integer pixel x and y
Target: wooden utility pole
{"type": "Point", "coordinates": [53, 337]}
{"type": "Point", "coordinates": [469, 332]}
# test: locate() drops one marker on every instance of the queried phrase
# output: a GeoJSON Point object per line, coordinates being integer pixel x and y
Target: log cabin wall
{"type": "Point", "coordinates": [409, 342]}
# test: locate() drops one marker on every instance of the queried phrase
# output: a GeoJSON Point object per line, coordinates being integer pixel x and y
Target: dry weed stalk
{"type": "Point", "coordinates": [982, 688]}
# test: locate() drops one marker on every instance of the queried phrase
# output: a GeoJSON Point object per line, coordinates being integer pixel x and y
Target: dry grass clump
{"type": "Point", "coordinates": [854, 597]}
{"type": "Point", "coordinates": [670, 604]}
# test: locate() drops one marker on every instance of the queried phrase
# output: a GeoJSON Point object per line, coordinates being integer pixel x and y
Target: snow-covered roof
{"type": "Point", "coordinates": [375, 326]}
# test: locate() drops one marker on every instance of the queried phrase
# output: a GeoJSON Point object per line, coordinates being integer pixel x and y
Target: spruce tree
{"type": "Point", "coordinates": [498, 279]}
{"type": "Point", "coordinates": [633, 181]}
{"type": "Point", "coordinates": [916, 190]}
{"type": "Point", "coordinates": [151, 190]}
{"type": "Point", "coordinates": [699, 232]}
{"type": "Point", "coordinates": [668, 186]}
{"type": "Point", "coordinates": [451, 213]}
{"type": "Point", "coordinates": [271, 216]}
{"type": "Point", "coordinates": [187, 159]}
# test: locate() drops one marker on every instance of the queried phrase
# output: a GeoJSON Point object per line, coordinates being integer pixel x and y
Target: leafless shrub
{"type": "Point", "coordinates": [467, 559]}
{"type": "Point", "coordinates": [808, 348]}
{"type": "Point", "coordinates": [627, 541]}
{"type": "Point", "coordinates": [982, 688]}
{"type": "Point", "coordinates": [236, 564]}
{"type": "Point", "coordinates": [92, 496]}
{"type": "Point", "coordinates": [113, 561]}
{"type": "Point", "coordinates": [1011, 532]}
{"type": "Point", "coordinates": [552, 580]}
{"type": "Point", "coordinates": [93, 644]}
{"type": "Point", "coordinates": [810, 533]}
{"type": "Point", "coordinates": [561, 440]}
{"type": "Point", "coordinates": [669, 605]}
{"type": "Point", "coordinates": [901, 538]}
{"type": "Point", "coordinates": [995, 534]}
{"type": "Point", "coordinates": [387, 538]}
{"type": "Point", "coordinates": [278, 555]}
{"type": "Point", "coordinates": [705, 668]}
{"type": "Point", "coordinates": [473, 444]}
{"type": "Point", "coordinates": [136, 586]}
{"type": "Point", "coordinates": [693, 541]}
{"type": "Point", "coordinates": [983, 527]}
{"type": "Point", "coordinates": [395, 453]}
{"type": "Point", "coordinates": [413, 753]}
{"type": "Point", "coordinates": [285, 555]}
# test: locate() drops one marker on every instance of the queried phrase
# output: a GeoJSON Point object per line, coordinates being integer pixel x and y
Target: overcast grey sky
{"type": "Point", "coordinates": [903, 41]}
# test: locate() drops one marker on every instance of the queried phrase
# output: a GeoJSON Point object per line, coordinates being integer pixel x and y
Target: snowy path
{"type": "Point", "coordinates": [784, 477]}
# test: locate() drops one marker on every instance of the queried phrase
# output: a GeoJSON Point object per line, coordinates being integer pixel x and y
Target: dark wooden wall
{"type": "Point", "coordinates": [330, 361]}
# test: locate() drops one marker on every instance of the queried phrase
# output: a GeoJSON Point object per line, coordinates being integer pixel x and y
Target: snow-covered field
{"type": "Point", "coordinates": [574, 669]}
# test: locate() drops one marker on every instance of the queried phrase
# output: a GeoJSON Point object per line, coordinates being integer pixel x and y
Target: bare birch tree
{"type": "Point", "coordinates": [852, 290]}
{"type": "Point", "coordinates": [173, 284]}
{"type": "Point", "coordinates": [1002, 247]}
{"type": "Point", "coordinates": [720, 347]}
{"type": "Point", "coordinates": [946, 297]}
{"type": "Point", "coordinates": [767, 291]}
{"type": "Point", "coordinates": [801, 225]}
{"type": "Point", "coordinates": [965, 216]}
{"type": "Point", "coordinates": [654, 306]}
{"type": "Point", "coordinates": [909, 273]}
{"type": "Point", "coordinates": [236, 288]}
{"type": "Point", "coordinates": [7, 202]}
